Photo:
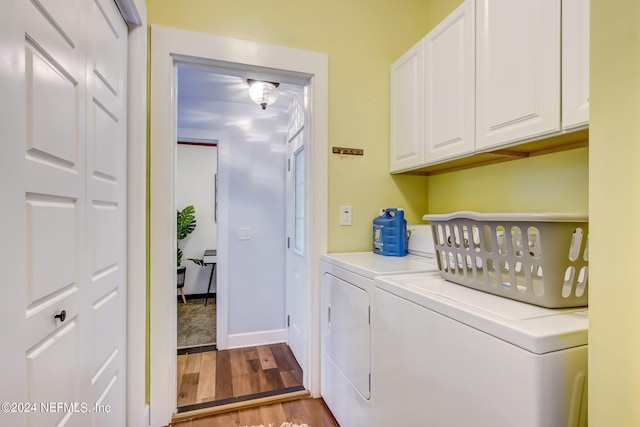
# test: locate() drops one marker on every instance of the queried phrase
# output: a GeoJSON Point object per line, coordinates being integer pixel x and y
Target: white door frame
{"type": "Point", "coordinates": [135, 14]}
{"type": "Point", "coordinates": [166, 45]}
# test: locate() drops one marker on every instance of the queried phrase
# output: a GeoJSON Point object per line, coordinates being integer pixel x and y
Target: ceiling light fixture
{"type": "Point", "coordinates": [263, 93]}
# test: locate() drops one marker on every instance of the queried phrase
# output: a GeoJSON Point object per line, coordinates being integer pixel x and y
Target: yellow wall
{"type": "Point", "coordinates": [362, 39]}
{"type": "Point", "coordinates": [614, 232]}
{"type": "Point", "coordinates": [550, 183]}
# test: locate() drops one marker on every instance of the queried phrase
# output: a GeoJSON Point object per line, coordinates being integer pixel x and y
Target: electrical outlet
{"type": "Point", "coordinates": [345, 215]}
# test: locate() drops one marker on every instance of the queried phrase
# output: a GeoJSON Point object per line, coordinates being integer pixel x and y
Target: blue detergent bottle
{"type": "Point", "coordinates": [390, 233]}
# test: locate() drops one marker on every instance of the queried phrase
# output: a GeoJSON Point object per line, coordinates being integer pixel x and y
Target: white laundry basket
{"type": "Point", "coordinates": [540, 259]}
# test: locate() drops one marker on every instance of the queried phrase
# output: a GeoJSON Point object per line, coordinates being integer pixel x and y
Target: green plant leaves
{"type": "Point", "coordinates": [186, 223]}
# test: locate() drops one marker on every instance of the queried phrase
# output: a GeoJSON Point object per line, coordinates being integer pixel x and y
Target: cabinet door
{"type": "Point", "coordinates": [575, 63]}
{"type": "Point", "coordinates": [450, 86]}
{"type": "Point", "coordinates": [518, 70]}
{"type": "Point", "coordinates": [407, 110]}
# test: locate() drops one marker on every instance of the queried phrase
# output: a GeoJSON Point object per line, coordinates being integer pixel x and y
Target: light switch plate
{"type": "Point", "coordinates": [244, 233]}
{"type": "Point", "coordinates": [345, 215]}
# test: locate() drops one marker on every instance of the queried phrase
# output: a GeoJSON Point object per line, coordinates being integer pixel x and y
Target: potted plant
{"type": "Point", "coordinates": [186, 223]}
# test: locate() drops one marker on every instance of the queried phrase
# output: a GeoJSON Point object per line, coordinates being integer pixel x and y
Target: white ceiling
{"type": "Point", "coordinates": [197, 83]}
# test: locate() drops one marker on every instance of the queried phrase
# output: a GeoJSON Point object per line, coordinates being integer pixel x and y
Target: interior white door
{"type": "Point", "coordinates": [63, 159]}
{"type": "Point", "coordinates": [296, 270]}
{"type": "Point", "coordinates": [296, 261]}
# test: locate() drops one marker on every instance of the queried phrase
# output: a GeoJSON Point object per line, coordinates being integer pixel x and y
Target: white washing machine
{"type": "Point", "coordinates": [347, 297]}
{"type": "Point", "coordinates": [447, 355]}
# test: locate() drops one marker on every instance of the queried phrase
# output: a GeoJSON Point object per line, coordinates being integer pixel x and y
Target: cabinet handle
{"type": "Point", "coordinates": [329, 316]}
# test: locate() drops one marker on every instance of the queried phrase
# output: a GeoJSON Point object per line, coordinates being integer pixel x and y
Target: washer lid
{"type": "Point", "coordinates": [536, 329]}
{"type": "Point", "coordinates": [370, 265]}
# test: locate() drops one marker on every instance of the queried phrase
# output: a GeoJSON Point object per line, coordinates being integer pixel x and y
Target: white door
{"type": "Point", "coordinates": [517, 70]}
{"type": "Point", "coordinates": [296, 287]}
{"type": "Point", "coordinates": [449, 69]}
{"type": "Point", "coordinates": [63, 154]}
{"type": "Point", "coordinates": [296, 270]}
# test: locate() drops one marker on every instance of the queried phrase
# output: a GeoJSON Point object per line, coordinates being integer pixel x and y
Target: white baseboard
{"type": "Point", "coordinates": [252, 339]}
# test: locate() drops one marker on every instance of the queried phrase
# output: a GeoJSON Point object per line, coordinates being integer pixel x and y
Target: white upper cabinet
{"type": "Point", "coordinates": [517, 70]}
{"type": "Point", "coordinates": [449, 79]}
{"type": "Point", "coordinates": [407, 110]}
{"type": "Point", "coordinates": [575, 63]}
{"type": "Point", "coordinates": [493, 74]}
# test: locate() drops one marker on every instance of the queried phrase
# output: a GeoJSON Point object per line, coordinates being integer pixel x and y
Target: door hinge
{"type": "Point", "coordinates": [289, 165]}
{"type": "Point", "coordinates": [288, 320]}
{"type": "Point", "coordinates": [288, 242]}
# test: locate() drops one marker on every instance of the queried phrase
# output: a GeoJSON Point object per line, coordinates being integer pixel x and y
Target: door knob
{"type": "Point", "coordinates": [61, 316]}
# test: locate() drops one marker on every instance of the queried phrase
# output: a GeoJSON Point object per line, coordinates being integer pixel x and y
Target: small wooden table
{"type": "Point", "coordinates": [210, 257]}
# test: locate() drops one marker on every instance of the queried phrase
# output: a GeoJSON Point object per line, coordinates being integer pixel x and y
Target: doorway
{"type": "Point", "coordinates": [170, 45]}
{"type": "Point", "coordinates": [252, 205]}
{"type": "Point", "coordinates": [253, 167]}
{"type": "Point", "coordinates": [252, 198]}
{"type": "Point", "coordinates": [195, 181]}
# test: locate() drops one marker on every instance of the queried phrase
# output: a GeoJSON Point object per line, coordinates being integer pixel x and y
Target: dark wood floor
{"type": "Point", "coordinates": [228, 376]}
{"type": "Point", "coordinates": [312, 412]}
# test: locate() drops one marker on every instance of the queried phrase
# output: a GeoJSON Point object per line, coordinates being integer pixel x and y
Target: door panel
{"type": "Point", "coordinates": [53, 200]}
{"type": "Point", "coordinates": [106, 148]}
{"type": "Point", "coordinates": [49, 363]}
{"type": "Point", "coordinates": [53, 246]}
{"type": "Point", "coordinates": [106, 62]}
{"type": "Point", "coordinates": [54, 101]}
{"type": "Point", "coordinates": [105, 218]}
{"type": "Point", "coordinates": [296, 287]}
{"type": "Point", "coordinates": [296, 276]}
{"type": "Point", "coordinates": [106, 132]}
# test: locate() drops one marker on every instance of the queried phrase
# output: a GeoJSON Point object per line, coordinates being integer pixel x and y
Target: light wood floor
{"type": "Point", "coordinates": [229, 376]}
{"type": "Point", "coordinates": [312, 412]}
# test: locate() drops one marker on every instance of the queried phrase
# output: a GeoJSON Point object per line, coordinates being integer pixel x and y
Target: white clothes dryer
{"type": "Point", "coordinates": [347, 281]}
